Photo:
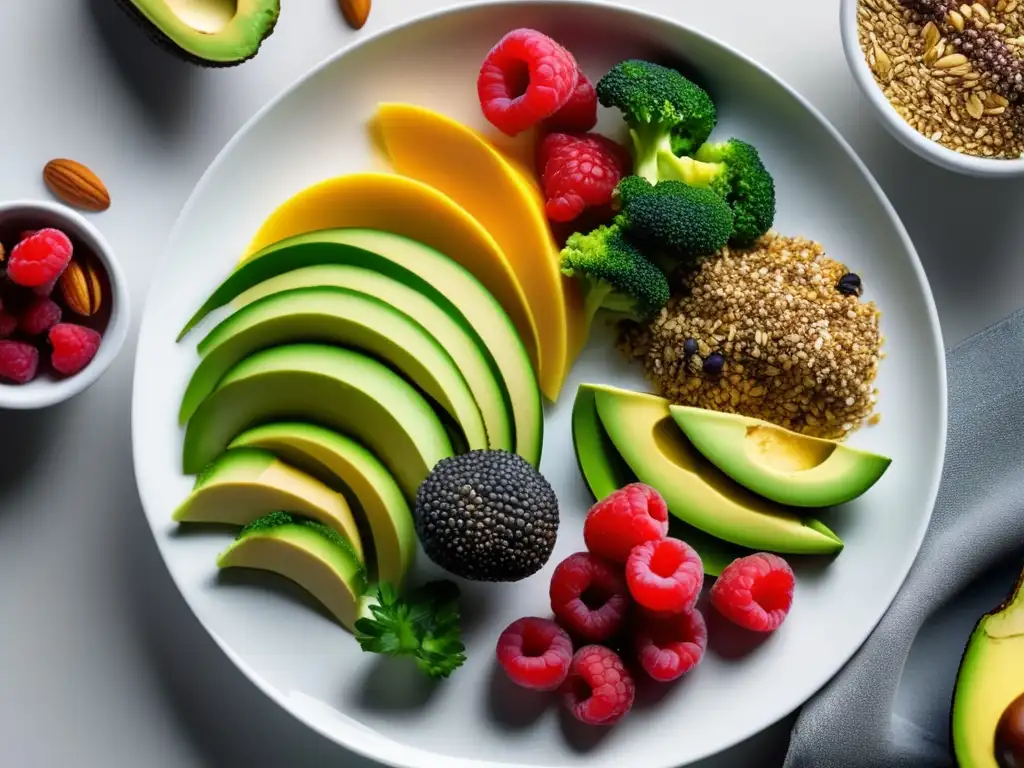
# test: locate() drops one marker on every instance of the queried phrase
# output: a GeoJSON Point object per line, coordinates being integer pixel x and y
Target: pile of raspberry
{"type": "Point", "coordinates": [628, 607]}
{"type": "Point", "coordinates": [30, 320]}
{"type": "Point", "coordinates": [527, 81]}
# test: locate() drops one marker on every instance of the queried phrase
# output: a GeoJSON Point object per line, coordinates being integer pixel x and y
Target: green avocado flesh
{"type": "Point", "coordinates": [991, 677]}
{"type": "Point", "coordinates": [642, 430]}
{"type": "Point", "coordinates": [338, 316]}
{"type": "Point", "coordinates": [331, 386]}
{"type": "Point", "coordinates": [209, 32]}
{"type": "Point", "coordinates": [243, 485]}
{"type": "Point", "coordinates": [484, 385]}
{"type": "Point", "coordinates": [605, 472]}
{"type": "Point", "coordinates": [346, 465]}
{"type": "Point", "coordinates": [307, 555]}
{"type": "Point", "coordinates": [777, 463]}
{"type": "Point", "coordinates": [436, 277]}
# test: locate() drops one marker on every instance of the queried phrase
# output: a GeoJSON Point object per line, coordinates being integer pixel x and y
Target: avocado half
{"type": "Point", "coordinates": [990, 679]}
{"type": "Point", "coordinates": [210, 33]}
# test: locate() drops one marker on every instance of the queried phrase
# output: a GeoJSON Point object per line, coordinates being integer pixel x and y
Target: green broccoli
{"type": "Point", "coordinates": [664, 110]}
{"type": "Point", "coordinates": [616, 275]}
{"type": "Point", "coordinates": [673, 219]}
{"type": "Point", "coordinates": [734, 170]}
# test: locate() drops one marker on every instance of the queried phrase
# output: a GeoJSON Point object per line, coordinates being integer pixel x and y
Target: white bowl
{"type": "Point", "coordinates": [930, 150]}
{"type": "Point", "coordinates": [45, 391]}
{"type": "Point", "coordinates": [477, 719]}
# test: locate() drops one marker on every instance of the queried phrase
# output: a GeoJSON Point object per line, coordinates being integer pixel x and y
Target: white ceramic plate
{"type": "Point", "coordinates": [310, 666]}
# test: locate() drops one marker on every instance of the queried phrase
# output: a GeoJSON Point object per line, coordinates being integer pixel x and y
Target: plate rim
{"type": "Point", "coordinates": [423, 756]}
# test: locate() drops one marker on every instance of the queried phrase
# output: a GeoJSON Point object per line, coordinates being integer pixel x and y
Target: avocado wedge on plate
{"type": "Point", "coordinates": [211, 33]}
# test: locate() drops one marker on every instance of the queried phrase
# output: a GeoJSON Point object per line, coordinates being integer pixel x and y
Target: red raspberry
{"type": "Point", "coordinates": [18, 361]}
{"type": "Point", "coordinates": [74, 347]}
{"type": "Point", "coordinates": [535, 653]}
{"type": "Point", "coordinates": [525, 78]}
{"type": "Point", "coordinates": [668, 647]}
{"type": "Point", "coordinates": [665, 576]}
{"type": "Point", "coordinates": [599, 689]}
{"type": "Point", "coordinates": [578, 172]}
{"type": "Point", "coordinates": [579, 114]}
{"type": "Point", "coordinates": [40, 258]}
{"type": "Point", "coordinates": [755, 591]}
{"type": "Point", "coordinates": [630, 516]}
{"type": "Point", "coordinates": [8, 324]}
{"type": "Point", "coordinates": [589, 597]}
{"type": "Point", "coordinates": [39, 317]}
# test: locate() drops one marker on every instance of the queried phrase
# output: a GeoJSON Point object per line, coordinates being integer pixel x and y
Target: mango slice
{"type": "Point", "coordinates": [458, 162]}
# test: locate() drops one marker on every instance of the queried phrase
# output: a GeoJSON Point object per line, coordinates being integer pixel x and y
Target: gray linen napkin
{"type": "Point", "coordinates": [978, 521]}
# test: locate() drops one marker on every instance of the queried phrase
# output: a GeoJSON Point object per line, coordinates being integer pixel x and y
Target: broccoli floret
{"type": "Point", "coordinates": [733, 169]}
{"type": "Point", "coordinates": [672, 218]}
{"type": "Point", "coordinates": [616, 275]}
{"type": "Point", "coordinates": [664, 110]}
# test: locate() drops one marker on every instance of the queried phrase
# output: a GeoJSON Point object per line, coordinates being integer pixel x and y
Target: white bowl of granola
{"type": "Point", "coordinates": [943, 77]}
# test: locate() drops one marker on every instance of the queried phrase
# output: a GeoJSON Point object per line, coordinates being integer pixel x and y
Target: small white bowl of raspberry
{"type": "Point", "coordinates": [56, 340]}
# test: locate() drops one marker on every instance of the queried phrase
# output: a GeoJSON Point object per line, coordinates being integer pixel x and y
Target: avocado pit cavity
{"type": "Point", "coordinates": [786, 451]}
{"type": "Point", "coordinates": [206, 16]}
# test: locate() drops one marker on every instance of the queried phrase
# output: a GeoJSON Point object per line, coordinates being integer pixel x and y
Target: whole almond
{"type": "Point", "coordinates": [81, 288]}
{"type": "Point", "coordinates": [356, 12]}
{"type": "Point", "coordinates": [76, 185]}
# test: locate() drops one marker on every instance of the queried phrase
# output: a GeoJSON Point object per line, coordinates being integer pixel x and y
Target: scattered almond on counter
{"type": "Point", "coordinates": [75, 184]}
{"type": "Point", "coordinates": [81, 288]}
{"type": "Point", "coordinates": [355, 12]}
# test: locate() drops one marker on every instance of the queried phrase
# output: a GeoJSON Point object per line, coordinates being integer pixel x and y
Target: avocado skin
{"type": "Point", "coordinates": [975, 637]}
{"type": "Point", "coordinates": [154, 33]}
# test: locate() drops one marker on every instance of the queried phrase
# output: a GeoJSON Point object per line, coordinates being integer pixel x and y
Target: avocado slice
{"type": "Point", "coordinates": [484, 383]}
{"type": "Point", "coordinates": [346, 318]}
{"type": "Point", "coordinates": [331, 386]}
{"type": "Point", "coordinates": [430, 273]}
{"type": "Point", "coordinates": [241, 486]}
{"type": "Point", "coordinates": [341, 461]}
{"type": "Point", "coordinates": [211, 33]}
{"type": "Point", "coordinates": [310, 554]}
{"type": "Point", "coordinates": [991, 677]}
{"type": "Point", "coordinates": [642, 430]}
{"type": "Point", "coordinates": [777, 463]}
{"type": "Point", "coordinates": [605, 472]}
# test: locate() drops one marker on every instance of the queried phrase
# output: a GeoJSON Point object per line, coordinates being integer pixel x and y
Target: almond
{"type": "Point", "coordinates": [81, 288]}
{"type": "Point", "coordinates": [76, 185]}
{"type": "Point", "coordinates": [355, 12]}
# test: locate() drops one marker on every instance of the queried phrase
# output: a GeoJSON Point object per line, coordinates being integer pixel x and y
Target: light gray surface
{"type": "Point", "coordinates": [103, 664]}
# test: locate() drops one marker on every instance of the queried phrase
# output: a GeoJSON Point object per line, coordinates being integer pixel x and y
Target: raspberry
{"type": "Point", "coordinates": [665, 576]}
{"type": "Point", "coordinates": [578, 172]}
{"type": "Point", "coordinates": [39, 317]}
{"type": "Point", "coordinates": [8, 324]}
{"type": "Point", "coordinates": [74, 346]}
{"type": "Point", "coordinates": [589, 597]}
{"type": "Point", "coordinates": [755, 591]}
{"type": "Point", "coordinates": [535, 653]}
{"type": "Point", "coordinates": [668, 647]}
{"type": "Point", "coordinates": [40, 258]}
{"type": "Point", "coordinates": [579, 114]}
{"type": "Point", "coordinates": [18, 361]}
{"type": "Point", "coordinates": [599, 689]}
{"type": "Point", "coordinates": [525, 78]}
{"type": "Point", "coordinates": [630, 516]}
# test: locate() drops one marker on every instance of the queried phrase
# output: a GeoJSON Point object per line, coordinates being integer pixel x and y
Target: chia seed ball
{"type": "Point", "coordinates": [714, 363]}
{"type": "Point", "coordinates": [849, 284]}
{"type": "Point", "coordinates": [690, 347]}
{"type": "Point", "coordinates": [487, 516]}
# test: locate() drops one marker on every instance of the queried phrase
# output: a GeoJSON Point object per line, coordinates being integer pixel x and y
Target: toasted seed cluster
{"type": "Point", "coordinates": [953, 71]}
{"type": "Point", "coordinates": [487, 516]}
{"type": "Point", "coordinates": [797, 351]}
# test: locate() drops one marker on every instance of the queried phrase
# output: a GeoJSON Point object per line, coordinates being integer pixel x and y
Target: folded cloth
{"type": "Point", "coordinates": [977, 522]}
